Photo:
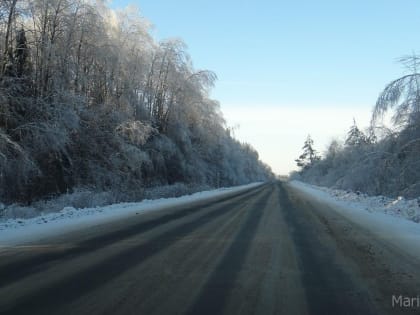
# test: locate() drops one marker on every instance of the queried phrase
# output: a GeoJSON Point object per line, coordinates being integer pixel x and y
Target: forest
{"type": "Point", "coordinates": [385, 158]}
{"type": "Point", "coordinates": [89, 99]}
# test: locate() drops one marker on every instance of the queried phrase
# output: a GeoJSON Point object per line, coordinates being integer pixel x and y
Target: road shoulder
{"type": "Point", "coordinates": [386, 269]}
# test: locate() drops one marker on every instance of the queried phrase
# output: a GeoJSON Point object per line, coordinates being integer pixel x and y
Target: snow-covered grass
{"type": "Point", "coordinates": [87, 198]}
{"type": "Point", "coordinates": [393, 220]}
{"type": "Point", "coordinates": [15, 231]}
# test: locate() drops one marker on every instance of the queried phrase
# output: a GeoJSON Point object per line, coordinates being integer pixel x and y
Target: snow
{"type": "Point", "coordinates": [392, 220]}
{"type": "Point", "coordinates": [20, 231]}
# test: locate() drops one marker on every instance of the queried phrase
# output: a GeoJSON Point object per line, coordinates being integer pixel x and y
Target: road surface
{"type": "Point", "coordinates": [269, 250]}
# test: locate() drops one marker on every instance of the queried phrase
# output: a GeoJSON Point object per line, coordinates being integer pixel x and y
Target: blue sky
{"type": "Point", "coordinates": [289, 68]}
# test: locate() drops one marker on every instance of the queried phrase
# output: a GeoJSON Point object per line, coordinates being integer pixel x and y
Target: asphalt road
{"type": "Point", "coordinates": [269, 250]}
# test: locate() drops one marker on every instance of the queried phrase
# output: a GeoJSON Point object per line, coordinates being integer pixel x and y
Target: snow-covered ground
{"type": "Point", "coordinates": [397, 207]}
{"type": "Point", "coordinates": [393, 220]}
{"type": "Point", "coordinates": [18, 231]}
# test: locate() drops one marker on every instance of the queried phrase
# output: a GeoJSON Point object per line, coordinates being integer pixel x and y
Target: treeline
{"type": "Point", "coordinates": [89, 99]}
{"type": "Point", "coordinates": [382, 160]}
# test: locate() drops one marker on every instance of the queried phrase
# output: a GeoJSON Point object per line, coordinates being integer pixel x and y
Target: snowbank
{"type": "Point", "coordinates": [17, 231]}
{"type": "Point", "coordinates": [399, 207]}
{"type": "Point", "coordinates": [393, 220]}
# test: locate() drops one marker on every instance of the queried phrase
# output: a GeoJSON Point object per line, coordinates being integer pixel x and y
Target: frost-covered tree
{"type": "Point", "coordinates": [402, 95]}
{"type": "Point", "coordinates": [8, 14]}
{"type": "Point", "coordinates": [356, 137]}
{"type": "Point", "coordinates": [21, 56]}
{"type": "Point", "coordinates": [388, 165]}
{"type": "Point", "coordinates": [309, 155]}
{"type": "Point", "coordinates": [89, 99]}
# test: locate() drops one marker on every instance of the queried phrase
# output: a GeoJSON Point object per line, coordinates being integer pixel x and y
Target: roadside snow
{"type": "Point", "coordinates": [394, 220]}
{"type": "Point", "coordinates": [397, 207]}
{"type": "Point", "coordinates": [18, 231]}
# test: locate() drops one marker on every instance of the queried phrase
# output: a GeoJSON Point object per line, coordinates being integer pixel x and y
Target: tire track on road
{"type": "Point", "coordinates": [92, 277]}
{"type": "Point", "coordinates": [20, 269]}
{"type": "Point", "coordinates": [214, 294]}
{"type": "Point", "coordinates": [329, 288]}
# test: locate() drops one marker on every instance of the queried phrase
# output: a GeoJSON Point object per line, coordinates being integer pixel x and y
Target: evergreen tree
{"type": "Point", "coordinates": [355, 136]}
{"type": "Point", "coordinates": [309, 155]}
{"type": "Point", "coordinates": [21, 54]}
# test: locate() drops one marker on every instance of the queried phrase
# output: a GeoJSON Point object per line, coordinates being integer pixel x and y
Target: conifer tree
{"type": "Point", "coordinates": [21, 54]}
{"type": "Point", "coordinates": [309, 155]}
{"type": "Point", "coordinates": [355, 136]}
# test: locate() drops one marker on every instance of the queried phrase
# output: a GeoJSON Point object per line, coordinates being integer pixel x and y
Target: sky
{"type": "Point", "coordinates": [287, 69]}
